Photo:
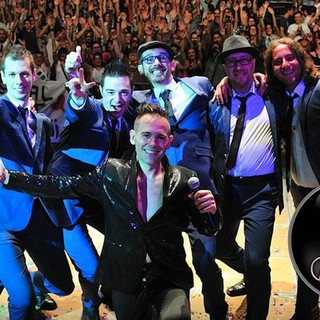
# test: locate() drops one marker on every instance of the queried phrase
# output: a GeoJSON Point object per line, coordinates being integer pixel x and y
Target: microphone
{"type": "Point", "coordinates": [194, 185]}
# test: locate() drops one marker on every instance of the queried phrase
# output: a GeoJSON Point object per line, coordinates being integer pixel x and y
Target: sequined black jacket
{"type": "Point", "coordinates": [128, 239]}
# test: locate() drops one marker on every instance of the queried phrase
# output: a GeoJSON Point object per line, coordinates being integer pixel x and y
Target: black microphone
{"type": "Point", "coordinates": [194, 185]}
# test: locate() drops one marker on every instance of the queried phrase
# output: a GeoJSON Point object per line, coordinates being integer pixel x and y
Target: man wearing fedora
{"type": "Point", "coordinates": [187, 102]}
{"type": "Point", "coordinates": [247, 173]}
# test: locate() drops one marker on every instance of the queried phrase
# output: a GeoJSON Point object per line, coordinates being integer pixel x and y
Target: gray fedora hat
{"type": "Point", "coordinates": [155, 44]}
{"type": "Point", "coordinates": [236, 44]}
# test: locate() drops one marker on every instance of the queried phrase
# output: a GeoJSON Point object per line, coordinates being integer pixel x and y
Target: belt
{"type": "Point", "coordinates": [265, 178]}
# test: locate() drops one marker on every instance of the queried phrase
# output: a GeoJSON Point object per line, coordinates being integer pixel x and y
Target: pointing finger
{"type": "Point", "coordinates": [81, 76]}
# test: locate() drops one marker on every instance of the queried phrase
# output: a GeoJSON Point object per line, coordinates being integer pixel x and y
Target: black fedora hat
{"type": "Point", "coordinates": [236, 44]}
{"type": "Point", "coordinates": [155, 44]}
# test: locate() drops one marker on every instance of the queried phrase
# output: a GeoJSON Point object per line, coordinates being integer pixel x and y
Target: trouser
{"type": "Point", "coordinates": [43, 241]}
{"type": "Point", "coordinates": [307, 300]}
{"type": "Point", "coordinates": [84, 256]}
{"type": "Point", "coordinates": [203, 253]}
{"type": "Point", "coordinates": [156, 299]}
{"type": "Point", "coordinates": [255, 203]}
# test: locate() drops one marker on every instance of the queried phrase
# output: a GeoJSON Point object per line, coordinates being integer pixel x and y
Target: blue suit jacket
{"type": "Point", "coordinates": [220, 121]}
{"type": "Point", "coordinates": [17, 154]}
{"type": "Point", "coordinates": [191, 147]}
{"type": "Point", "coordinates": [83, 145]}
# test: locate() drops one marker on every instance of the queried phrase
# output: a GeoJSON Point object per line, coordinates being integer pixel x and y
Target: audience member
{"type": "Point", "coordinates": [285, 20]}
{"type": "Point", "coordinates": [298, 29]}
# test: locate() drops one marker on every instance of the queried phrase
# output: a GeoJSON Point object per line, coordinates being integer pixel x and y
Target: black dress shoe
{"type": "Point", "coordinates": [106, 298]}
{"type": "Point", "coordinates": [238, 289]}
{"type": "Point", "coordinates": [45, 302]}
{"type": "Point", "coordinates": [314, 314]}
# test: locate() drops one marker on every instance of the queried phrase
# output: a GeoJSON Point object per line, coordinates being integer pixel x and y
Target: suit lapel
{"type": "Point", "coordinates": [39, 130]}
{"type": "Point", "coordinates": [17, 118]}
{"type": "Point", "coordinates": [302, 107]}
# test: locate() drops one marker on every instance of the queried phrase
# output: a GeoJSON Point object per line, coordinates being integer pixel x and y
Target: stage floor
{"type": "Point", "coordinates": [282, 300]}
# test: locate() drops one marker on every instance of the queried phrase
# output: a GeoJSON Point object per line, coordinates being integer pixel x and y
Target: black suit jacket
{"type": "Point", "coordinates": [310, 126]}
{"type": "Point", "coordinates": [128, 238]}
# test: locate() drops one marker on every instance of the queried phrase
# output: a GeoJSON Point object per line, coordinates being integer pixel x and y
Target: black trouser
{"type": "Point", "coordinates": [156, 299]}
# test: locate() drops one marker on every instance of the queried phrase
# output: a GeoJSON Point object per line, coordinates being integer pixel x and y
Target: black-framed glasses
{"type": "Point", "coordinates": [233, 62]}
{"type": "Point", "coordinates": [163, 58]}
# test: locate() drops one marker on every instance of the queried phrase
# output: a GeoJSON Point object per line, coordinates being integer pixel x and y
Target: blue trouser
{"type": "Point", "coordinates": [84, 256]}
{"type": "Point", "coordinates": [254, 204]}
{"type": "Point", "coordinates": [306, 298]}
{"type": "Point", "coordinates": [43, 242]}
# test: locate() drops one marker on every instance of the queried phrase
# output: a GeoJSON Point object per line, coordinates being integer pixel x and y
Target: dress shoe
{"type": "Point", "coordinates": [313, 315]}
{"type": "Point", "coordinates": [35, 315]}
{"type": "Point", "coordinates": [238, 289]}
{"type": "Point", "coordinates": [90, 313]}
{"type": "Point", "coordinates": [45, 302]}
{"type": "Point", "coordinates": [294, 318]}
{"type": "Point", "coordinates": [106, 298]}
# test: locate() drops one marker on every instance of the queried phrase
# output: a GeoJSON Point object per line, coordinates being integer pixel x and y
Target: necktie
{"type": "Point", "coordinates": [164, 95]}
{"type": "Point", "coordinates": [234, 147]}
{"type": "Point", "coordinates": [113, 146]}
{"type": "Point", "coordinates": [288, 131]}
{"type": "Point", "coordinates": [23, 112]}
{"type": "Point", "coordinates": [29, 122]}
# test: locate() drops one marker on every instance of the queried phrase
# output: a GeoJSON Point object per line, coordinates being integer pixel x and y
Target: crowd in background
{"type": "Point", "coordinates": [108, 29]}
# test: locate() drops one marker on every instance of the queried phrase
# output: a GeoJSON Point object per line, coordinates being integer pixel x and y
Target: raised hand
{"type": "Point", "coordinates": [73, 62]}
{"type": "Point", "coordinates": [78, 86]}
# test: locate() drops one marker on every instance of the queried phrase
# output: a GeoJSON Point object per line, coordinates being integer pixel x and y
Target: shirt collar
{"type": "Point", "coordinates": [16, 103]}
{"type": "Point", "coordinates": [253, 90]}
{"type": "Point", "coordinates": [298, 90]}
{"type": "Point", "coordinates": [172, 85]}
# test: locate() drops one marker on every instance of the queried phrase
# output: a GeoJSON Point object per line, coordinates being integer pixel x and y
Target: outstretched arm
{"type": "Point", "coordinates": [49, 186]}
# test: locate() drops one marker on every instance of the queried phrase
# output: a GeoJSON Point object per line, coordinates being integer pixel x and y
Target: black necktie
{"type": "Point", "coordinates": [23, 112]}
{"type": "Point", "coordinates": [113, 152]}
{"type": "Point", "coordinates": [234, 147]}
{"type": "Point", "coordinates": [288, 131]}
{"type": "Point", "coordinates": [167, 105]}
